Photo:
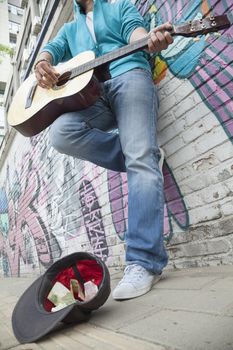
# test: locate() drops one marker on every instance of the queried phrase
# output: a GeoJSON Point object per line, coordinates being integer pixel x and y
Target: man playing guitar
{"type": "Point", "coordinates": [129, 102]}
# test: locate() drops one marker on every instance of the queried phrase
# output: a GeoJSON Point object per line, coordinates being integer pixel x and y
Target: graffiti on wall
{"type": "Point", "coordinates": [201, 61]}
{"type": "Point", "coordinates": [46, 203]}
{"type": "Point", "coordinates": [92, 217]}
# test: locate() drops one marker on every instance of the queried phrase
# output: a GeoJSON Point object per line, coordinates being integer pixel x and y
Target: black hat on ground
{"type": "Point", "coordinates": [32, 317]}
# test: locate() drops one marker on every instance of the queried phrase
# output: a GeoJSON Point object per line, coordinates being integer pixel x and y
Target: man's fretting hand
{"type": "Point", "coordinates": [160, 38]}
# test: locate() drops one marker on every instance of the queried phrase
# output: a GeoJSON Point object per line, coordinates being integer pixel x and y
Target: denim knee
{"type": "Point", "coordinates": [57, 136]}
{"type": "Point", "coordinates": [63, 130]}
{"type": "Point", "coordinates": [67, 135]}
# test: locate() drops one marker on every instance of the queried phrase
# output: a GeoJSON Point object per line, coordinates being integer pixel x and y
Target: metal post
{"type": "Point", "coordinates": [41, 38]}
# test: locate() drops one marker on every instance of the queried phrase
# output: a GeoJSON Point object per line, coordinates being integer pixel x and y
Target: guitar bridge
{"type": "Point", "coordinates": [31, 95]}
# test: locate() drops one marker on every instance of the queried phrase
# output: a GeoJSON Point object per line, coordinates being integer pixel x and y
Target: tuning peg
{"type": "Point", "coordinates": [212, 17]}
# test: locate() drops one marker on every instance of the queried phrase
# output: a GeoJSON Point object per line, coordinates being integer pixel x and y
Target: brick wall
{"type": "Point", "coordinates": [52, 205]}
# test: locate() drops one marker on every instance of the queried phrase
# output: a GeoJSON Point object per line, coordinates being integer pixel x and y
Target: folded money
{"type": "Point", "coordinates": [59, 294]}
{"type": "Point", "coordinates": [76, 288]}
{"type": "Point", "coordinates": [90, 290]}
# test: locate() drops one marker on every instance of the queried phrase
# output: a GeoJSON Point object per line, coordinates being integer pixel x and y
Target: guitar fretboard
{"type": "Point", "coordinates": [110, 57]}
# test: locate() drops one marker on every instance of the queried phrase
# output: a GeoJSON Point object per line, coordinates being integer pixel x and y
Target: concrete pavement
{"type": "Point", "coordinates": [189, 309]}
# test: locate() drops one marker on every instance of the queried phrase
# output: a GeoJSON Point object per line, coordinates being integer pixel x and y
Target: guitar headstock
{"type": "Point", "coordinates": [202, 26]}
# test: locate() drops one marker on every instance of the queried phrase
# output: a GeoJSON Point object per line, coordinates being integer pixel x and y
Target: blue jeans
{"type": "Point", "coordinates": [130, 103]}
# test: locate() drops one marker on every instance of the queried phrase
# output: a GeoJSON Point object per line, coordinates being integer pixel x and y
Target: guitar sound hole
{"type": "Point", "coordinates": [63, 79]}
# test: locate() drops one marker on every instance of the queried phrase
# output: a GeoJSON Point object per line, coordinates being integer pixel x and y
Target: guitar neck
{"type": "Point", "coordinates": [190, 29]}
{"type": "Point", "coordinates": [114, 55]}
{"type": "Point", "coordinates": [111, 56]}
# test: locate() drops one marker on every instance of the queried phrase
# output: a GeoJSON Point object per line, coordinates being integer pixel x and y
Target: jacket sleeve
{"type": "Point", "coordinates": [58, 47]}
{"type": "Point", "coordinates": [130, 19]}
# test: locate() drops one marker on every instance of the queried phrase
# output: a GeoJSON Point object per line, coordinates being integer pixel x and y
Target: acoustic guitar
{"type": "Point", "coordinates": [33, 108]}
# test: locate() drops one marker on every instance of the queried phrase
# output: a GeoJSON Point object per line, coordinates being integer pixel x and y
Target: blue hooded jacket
{"type": "Point", "coordinates": [113, 25]}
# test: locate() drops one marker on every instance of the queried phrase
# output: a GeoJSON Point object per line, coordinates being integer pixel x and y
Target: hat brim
{"type": "Point", "coordinates": [29, 320]}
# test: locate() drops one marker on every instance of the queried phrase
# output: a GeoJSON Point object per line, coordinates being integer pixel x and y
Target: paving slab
{"type": "Point", "coordinates": [197, 281]}
{"type": "Point", "coordinates": [222, 284]}
{"type": "Point", "coordinates": [87, 336]}
{"type": "Point", "coordinates": [115, 315]}
{"type": "Point", "coordinates": [185, 330]}
{"type": "Point", "coordinates": [213, 302]}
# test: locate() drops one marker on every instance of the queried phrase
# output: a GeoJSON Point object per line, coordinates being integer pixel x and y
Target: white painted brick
{"type": "Point", "coordinates": [164, 121]}
{"type": "Point", "coordinates": [166, 107]}
{"type": "Point", "coordinates": [193, 133]}
{"type": "Point", "coordinates": [205, 162]}
{"type": "Point", "coordinates": [172, 131]}
{"type": "Point", "coordinates": [204, 213]}
{"type": "Point", "coordinates": [214, 193]}
{"type": "Point", "coordinates": [193, 184]}
{"type": "Point", "coordinates": [209, 122]}
{"type": "Point", "coordinates": [182, 156]}
{"type": "Point", "coordinates": [201, 248]}
{"type": "Point", "coordinates": [229, 185]}
{"type": "Point", "coordinates": [180, 237]}
{"type": "Point", "coordinates": [171, 88]}
{"type": "Point", "coordinates": [182, 172]}
{"type": "Point", "coordinates": [196, 262]}
{"type": "Point", "coordinates": [210, 140]}
{"type": "Point", "coordinates": [189, 153]}
{"type": "Point", "coordinates": [227, 207]}
{"type": "Point", "coordinates": [173, 146]}
{"type": "Point", "coordinates": [196, 114]}
{"type": "Point", "coordinates": [219, 175]}
{"type": "Point", "coordinates": [183, 107]}
{"type": "Point", "coordinates": [193, 200]}
{"type": "Point", "coordinates": [224, 151]}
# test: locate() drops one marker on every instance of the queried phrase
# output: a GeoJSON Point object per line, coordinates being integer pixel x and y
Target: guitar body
{"type": "Point", "coordinates": [48, 104]}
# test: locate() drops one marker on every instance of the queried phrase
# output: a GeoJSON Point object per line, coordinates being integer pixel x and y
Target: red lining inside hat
{"type": "Point", "coordinates": [89, 270]}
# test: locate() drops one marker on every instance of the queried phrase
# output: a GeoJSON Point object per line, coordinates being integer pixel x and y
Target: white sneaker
{"type": "Point", "coordinates": [135, 282]}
